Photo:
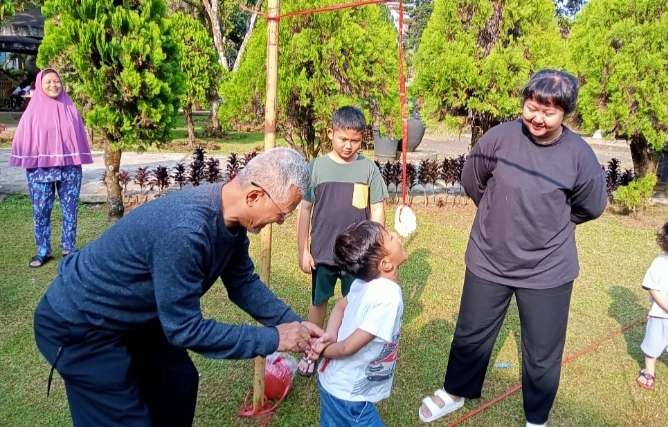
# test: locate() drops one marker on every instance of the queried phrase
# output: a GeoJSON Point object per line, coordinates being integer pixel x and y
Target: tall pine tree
{"type": "Point", "coordinates": [199, 64]}
{"type": "Point", "coordinates": [476, 55]}
{"type": "Point", "coordinates": [120, 62]}
{"type": "Point", "coordinates": [325, 61]}
{"type": "Point", "coordinates": [621, 52]}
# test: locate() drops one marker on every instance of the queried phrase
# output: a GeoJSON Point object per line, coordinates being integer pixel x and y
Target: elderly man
{"type": "Point", "coordinates": [118, 318]}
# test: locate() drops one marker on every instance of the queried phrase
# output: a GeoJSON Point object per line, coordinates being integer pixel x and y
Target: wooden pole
{"type": "Point", "coordinates": [269, 143]}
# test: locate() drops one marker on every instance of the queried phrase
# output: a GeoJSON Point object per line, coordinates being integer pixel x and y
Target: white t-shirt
{"type": "Point", "coordinates": [366, 376]}
{"type": "Point", "coordinates": [656, 278]}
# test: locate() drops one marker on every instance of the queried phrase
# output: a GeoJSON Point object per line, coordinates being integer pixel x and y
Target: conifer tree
{"type": "Point", "coordinates": [476, 55]}
{"type": "Point", "coordinates": [199, 64]}
{"type": "Point", "coordinates": [120, 63]}
{"type": "Point", "coordinates": [347, 57]}
{"type": "Point", "coordinates": [620, 49]}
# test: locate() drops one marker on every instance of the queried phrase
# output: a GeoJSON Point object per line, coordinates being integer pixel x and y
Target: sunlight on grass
{"type": "Point", "coordinates": [598, 389]}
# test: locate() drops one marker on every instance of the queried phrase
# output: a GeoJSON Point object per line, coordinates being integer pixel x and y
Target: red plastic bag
{"type": "Point", "coordinates": [279, 371]}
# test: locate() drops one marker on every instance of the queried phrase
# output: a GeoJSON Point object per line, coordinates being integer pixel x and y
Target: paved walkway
{"type": "Point", "coordinates": [12, 180]}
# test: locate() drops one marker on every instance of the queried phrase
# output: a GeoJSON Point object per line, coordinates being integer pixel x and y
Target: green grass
{"type": "Point", "coordinates": [597, 389]}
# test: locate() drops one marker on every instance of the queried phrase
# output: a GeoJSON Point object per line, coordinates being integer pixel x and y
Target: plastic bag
{"type": "Point", "coordinates": [279, 371]}
{"type": "Point", "coordinates": [405, 221]}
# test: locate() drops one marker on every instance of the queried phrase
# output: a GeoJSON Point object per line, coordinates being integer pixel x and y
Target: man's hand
{"type": "Point", "coordinates": [307, 263]}
{"type": "Point", "coordinates": [315, 330]}
{"type": "Point", "coordinates": [294, 336]}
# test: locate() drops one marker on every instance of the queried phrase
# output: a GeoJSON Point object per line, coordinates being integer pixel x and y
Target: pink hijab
{"type": "Point", "coordinates": [50, 132]}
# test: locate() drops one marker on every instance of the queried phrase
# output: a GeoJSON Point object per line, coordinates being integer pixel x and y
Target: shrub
{"type": "Point", "coordinates": [636, 194]}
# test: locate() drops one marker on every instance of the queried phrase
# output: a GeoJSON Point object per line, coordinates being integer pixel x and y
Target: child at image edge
{"type": "Point", "coordinates": [359, 347]}
{"type": "Point", "coordinates": [345, 188]}
{"type": "Point", "coordinates": [656, 333]}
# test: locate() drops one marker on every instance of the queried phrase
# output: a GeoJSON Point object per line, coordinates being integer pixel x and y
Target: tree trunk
{"type": "Point", "coordinates": [480, 123]}
{"type": "Point", "coordinates": [489, 35]}
{"type": "Point", "coordinates": [112, 164]}
{"type": "Point", "coordinates": [211, 7]}
{"type": "Point", "coordinates": [247, 36]}
{"type": "Point", "coordinates": [645, 159]}
{"type": "Point", "coordinates": [213, 128]}
{"type": "Point", "coordinates": [188, 114]}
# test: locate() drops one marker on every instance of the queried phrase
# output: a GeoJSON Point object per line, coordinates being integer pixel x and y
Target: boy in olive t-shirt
{"type": "Point", "coordinates": [345, 188]}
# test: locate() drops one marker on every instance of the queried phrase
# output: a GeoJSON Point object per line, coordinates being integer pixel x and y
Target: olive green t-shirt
{"type": "Point", "coordinates": [342, 194]}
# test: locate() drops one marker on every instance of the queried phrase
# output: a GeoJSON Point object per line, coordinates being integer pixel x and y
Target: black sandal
{"type": "Point", "coordinates": [39, 260]}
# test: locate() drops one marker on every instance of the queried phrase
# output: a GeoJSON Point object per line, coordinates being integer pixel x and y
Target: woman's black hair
{"type": "Point", "coordinates": [359, 249]}
{"type": "Point", "coordinates": [553, 87]}
{"type": "Point", "coordinates": [662, 237]}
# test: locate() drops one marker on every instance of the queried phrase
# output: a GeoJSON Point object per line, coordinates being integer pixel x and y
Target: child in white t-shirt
{"type": "Point", "coordinates": [359, 348]}
{"type": "Point", "coordinates": [656, 333]}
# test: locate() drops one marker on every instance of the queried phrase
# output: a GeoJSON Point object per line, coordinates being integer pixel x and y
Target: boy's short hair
{"type": "Point", "coordinates": [359, 249]}
{"type": "Point", "coordinates": [662, 237]}
{"type": "Point", "coordinates": [553, 87]}
{"type": "Point", "coordinates": [348, 117]}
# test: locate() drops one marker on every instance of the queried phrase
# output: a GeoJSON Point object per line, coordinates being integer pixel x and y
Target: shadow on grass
{"type": "Point", "coordinates": [414, 276]}
{"type": "Point", "coordinates": [625, 308]}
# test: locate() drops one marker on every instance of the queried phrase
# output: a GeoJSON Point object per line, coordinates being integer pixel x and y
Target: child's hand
{"type": "Point", "coordinates": [319, 345]}
{"type": "Point", "coordinates": [307, 263]}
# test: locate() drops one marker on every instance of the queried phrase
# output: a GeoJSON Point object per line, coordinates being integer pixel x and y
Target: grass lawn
{"type": "Point", "coordinates": [597, 389]}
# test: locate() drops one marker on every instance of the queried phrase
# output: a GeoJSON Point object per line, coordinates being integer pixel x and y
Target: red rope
{"type": "Point", "coordinates": [568, 359]}
{"type": "Point", "coordinates": [330, 8]}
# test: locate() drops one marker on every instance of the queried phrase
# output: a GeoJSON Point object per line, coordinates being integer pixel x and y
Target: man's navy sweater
{"type": "Point", "coordinates": [156, 263]}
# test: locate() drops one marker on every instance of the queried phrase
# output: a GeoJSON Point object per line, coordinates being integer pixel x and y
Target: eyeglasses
{"type": "Point", "coordinates": [283, 214]}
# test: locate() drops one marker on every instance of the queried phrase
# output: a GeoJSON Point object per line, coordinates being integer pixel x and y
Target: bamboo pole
{"type": "Point", "coordinates": [269, 143]}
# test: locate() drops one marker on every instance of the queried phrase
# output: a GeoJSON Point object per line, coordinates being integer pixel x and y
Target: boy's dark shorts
{"type": "Point", "coordinates": [323, 281]}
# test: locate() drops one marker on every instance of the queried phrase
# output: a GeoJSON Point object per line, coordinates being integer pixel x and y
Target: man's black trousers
{"type": "Point", "coordinates": [116, 378]}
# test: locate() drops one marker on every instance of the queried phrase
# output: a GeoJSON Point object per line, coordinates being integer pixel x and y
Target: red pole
{"type": "Point", "coordinates": [402, 100]}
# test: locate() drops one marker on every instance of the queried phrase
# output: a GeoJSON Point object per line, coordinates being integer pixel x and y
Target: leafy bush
{"type": "Point", "coordinates": [179, 175]}
{"type": "Point", "coordinates": [636, 194]}
{"type": "Point", "coordinates": [212, 170]}
{"type": "Point", "coordinates": [161, 178]}
{"type": "Point", "coordinates": [615, 178]}
{"type": "Point", "coordinates": [197, 167]}
{"type": "Point", "coordinates": [232, 167]}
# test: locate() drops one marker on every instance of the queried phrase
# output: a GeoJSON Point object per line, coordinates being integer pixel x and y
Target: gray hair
{"type": "Point", "coordinates": [276, 171]}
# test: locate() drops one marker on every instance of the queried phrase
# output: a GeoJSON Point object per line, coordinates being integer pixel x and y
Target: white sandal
{"type": "Point", "coordinates": [449, 405]}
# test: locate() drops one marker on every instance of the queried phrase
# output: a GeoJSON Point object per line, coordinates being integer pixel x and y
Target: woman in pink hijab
{"type": "Point", "coordinates": [51, 144]}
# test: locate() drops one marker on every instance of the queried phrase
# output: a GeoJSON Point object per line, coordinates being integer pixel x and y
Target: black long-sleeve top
{"type": "Point", "coordinates": [529, 198]}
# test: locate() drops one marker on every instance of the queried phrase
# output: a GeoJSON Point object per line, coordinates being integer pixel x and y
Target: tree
{"type": "Point", "coordinates": [569, 7]}
{"type": "Point", "coordinates": [475, 56]}
{"type": "Point", "coordinates": [6, 8]}
{"type": "Point", "coordinates": [419, 17]}
{"type": "Point", "coordinates": [566, 11]}
{"type": "Point", "coordinates": [326, 61]}
{"type": "Point", "coordinates": [227, 25]}
{"type": "Point", "coordinates": [121, 64]}
{"type": "Point", "coordinates": [199, 64]}
{"type": "Point", "coordinates": [622, 59]}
